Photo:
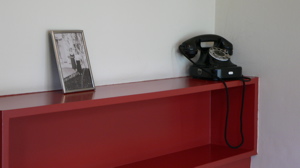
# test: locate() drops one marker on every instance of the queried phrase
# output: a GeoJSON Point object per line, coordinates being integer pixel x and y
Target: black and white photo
{"type": "Point", "coordinates": [72, 60]}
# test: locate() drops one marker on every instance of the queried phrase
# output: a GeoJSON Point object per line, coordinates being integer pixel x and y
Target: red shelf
{"type": "Point", "coordinates": [114, 94]}
{"type": "Point", "coordinates": [160, 123]}
{"type": "Point", "coordinates": [204, 156]}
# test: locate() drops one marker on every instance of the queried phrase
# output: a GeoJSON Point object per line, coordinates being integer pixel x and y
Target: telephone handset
{"type": "Point", "coordinates": [214, 62]}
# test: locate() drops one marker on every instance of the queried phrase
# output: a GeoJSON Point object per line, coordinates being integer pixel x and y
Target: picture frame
{"type": "Point", "coordinates": [72, 60]}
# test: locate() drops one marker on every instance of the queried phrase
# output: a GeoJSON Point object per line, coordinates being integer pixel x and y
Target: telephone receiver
{"type": "Point", "coordinates": [214, 62]}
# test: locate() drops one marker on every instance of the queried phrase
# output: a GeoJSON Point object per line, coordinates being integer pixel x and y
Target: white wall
{"type": "Point", "coordinates": [266, 34]}
{"type": "Point", "coordinates": [127, 41]}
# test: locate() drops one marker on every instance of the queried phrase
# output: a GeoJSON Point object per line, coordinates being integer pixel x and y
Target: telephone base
{"type": "Point", "coordinates": [227, 73]}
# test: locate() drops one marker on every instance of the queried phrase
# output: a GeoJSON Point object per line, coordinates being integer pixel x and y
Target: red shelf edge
{"type": "Point", "coordinates": [90, 103]}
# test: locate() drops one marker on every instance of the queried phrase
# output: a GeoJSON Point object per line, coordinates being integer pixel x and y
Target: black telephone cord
{"type": "Point", "coordinates": [241, 116]}
{"type": "Point", "coordinates": [243, 79]}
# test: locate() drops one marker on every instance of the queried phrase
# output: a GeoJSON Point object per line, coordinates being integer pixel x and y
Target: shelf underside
{"type": "Point", "coordinates": [208, 155]}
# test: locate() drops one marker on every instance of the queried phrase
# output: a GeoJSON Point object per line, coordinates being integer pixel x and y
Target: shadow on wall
{"type": "Point", "coordinates": [53, 78]}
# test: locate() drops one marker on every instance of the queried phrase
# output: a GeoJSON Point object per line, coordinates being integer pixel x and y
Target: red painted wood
{"type": "Point", "coordinates": [250, 118]}
{"type": "Point", "coordinates": [1, 140]}
{"type": "Point", "coordinates": [203, 157]}
{"type": "Point", "coordinates": [245, 163]}
{"type": "Point", "coordinates": [114, 134]}
{"type": "Point", "coordinates": [179, 119]}
{"type": "Point", "coordinates": [114, 94]}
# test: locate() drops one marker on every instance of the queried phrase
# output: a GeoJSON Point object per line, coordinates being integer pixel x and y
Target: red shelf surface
{"type": "Point", "coordinates": [177, 122]}
{"type": "Point", "coordinates": [205, 157]}
{"type": "Point", "coordinates": [114, 94]}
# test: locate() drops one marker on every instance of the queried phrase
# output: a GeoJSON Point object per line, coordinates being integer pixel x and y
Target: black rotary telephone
{"type": "Point", "coordinates": [214, 62]}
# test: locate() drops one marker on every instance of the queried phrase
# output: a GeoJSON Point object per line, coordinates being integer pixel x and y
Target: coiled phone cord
{"type": "Point", "coordinates": [244, 80]}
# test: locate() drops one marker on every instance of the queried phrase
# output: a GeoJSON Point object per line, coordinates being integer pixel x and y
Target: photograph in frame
{"type": "Point", "coordinates": [72, 60]}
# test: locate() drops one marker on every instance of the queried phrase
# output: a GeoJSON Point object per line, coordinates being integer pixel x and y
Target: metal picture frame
{"type": "Point", "coordinates": [72, 60]}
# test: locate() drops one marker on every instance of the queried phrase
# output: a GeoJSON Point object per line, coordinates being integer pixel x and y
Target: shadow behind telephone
{"type": "Point", "coordinates": [214, 62]}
